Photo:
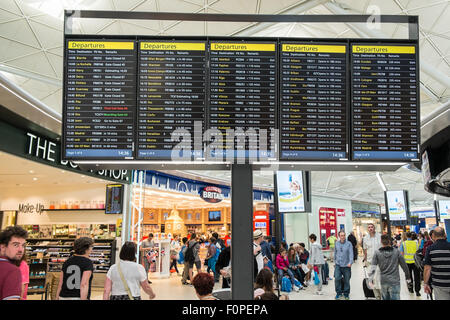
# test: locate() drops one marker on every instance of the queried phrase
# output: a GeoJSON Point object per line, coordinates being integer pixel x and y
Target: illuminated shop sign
{"type": "Point", "coordinates": [212, 194]}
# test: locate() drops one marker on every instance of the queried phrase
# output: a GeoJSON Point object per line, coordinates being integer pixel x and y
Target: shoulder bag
{"type": "Point", "coordinates": [125, 284]}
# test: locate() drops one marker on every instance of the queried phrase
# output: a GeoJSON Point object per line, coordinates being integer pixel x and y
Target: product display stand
{"type": "Point", "coordinates": [160, 256]}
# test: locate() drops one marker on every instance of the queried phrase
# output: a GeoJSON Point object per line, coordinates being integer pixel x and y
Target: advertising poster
{"type": "Point", "coordinates": [444, 209]}
{"type": "Point", "coordinates": [396, 205]}
{"type": "Point", "coordinates": [290, 191]}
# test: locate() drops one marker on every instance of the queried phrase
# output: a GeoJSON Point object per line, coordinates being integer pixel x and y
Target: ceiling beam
{"type": "Point", "coordinates": [427, 68]}
{"type": "Point", "coordinates": [296, 9]}
{"type": "Point", "coordinates": [31, 75]}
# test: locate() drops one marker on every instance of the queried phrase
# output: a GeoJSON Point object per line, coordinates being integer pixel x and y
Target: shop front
{"type": "Point", "coordinates": [167, 205]}
{"type": "Point", "coordinates": [57, 202]}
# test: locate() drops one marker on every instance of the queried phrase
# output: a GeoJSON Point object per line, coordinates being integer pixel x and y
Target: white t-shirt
{"type": "Point", "coordinates": [371, 244]}
{"type": "Point", "coordinates": [259, 258]}
{"type": "Point", "coordinates": [133, 273]}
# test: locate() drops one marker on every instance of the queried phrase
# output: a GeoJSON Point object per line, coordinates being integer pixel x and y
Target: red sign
{"type": "Point", "coordinates": [341, 212]}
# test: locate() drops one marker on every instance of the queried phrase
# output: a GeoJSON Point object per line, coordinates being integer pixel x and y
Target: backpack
{"type": "Point", "coordinates": [419, 259]}
{"type": "Point", "coordinates": [286, 284]}
{"type": "Point", "coordinates": [181, 256]}
{"type": "Point", "coordinates": [189, 254]}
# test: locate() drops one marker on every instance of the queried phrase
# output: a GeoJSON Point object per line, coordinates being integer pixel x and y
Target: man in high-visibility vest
{"type": "Point", "coordinates": [408, 249]}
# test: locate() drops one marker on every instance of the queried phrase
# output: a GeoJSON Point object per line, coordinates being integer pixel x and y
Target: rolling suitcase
{"type": "Point", "coordinates": [368, 293]}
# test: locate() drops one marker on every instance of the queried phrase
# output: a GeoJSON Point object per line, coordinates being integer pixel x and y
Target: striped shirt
{"type": "Point", "coordinates": [438, 257]}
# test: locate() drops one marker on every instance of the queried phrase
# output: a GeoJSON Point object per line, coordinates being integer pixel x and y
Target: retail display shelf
{"type": "Point", "coordinates": [37, 278]}
{"type": "Point", "coordinates": [36, 290]}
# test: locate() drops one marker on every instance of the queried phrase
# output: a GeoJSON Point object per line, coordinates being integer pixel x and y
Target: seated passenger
{"type": "Point", "coordinates": [282, 264]}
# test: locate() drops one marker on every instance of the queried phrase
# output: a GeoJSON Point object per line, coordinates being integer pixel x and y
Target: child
{"type": "Point", "coordinates": [282, 264]}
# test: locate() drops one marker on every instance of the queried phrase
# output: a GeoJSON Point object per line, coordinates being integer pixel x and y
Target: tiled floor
{"type": "Point", "coordinates": [172, 289]}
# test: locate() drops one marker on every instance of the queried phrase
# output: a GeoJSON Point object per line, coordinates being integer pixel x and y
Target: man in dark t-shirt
{"type": "Point", "coordinates": [76, 274]}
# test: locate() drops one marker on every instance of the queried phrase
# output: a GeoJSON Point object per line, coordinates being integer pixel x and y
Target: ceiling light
{"type": "Point", "coordinates": [35, 179]}
{"type": "Point", "coordinates": [31, 171]}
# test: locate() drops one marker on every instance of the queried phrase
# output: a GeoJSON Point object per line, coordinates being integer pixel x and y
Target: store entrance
{"type": "Point", "coordinates": [168, 208]}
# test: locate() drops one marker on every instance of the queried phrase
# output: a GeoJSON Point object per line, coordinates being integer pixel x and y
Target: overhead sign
{"type": "Point", "coordinates": [397, 206]}
{"type": "Point", "coordinates": [291, 195]}
{"type": "Point", "coordinates": [313, 108]}
{"type": "Point", "coordinates": [212, 194]}
{"type": "Point", "coordinates": [444, 209]}
{"type": "Point", "coordinates": [385, 100]}
{"type": "Point", "coordinates": [141, 98]}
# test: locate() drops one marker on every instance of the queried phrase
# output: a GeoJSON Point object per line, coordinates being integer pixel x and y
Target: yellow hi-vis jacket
{"type": "Point", "coordinates": [409, 249]}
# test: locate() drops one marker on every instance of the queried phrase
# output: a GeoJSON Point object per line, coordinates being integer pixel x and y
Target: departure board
{"type": "Point", "coordinates": [100, 99]}
{"type": "Point", "coordinates": [243, 97]}
{"type": "Point", "coordinates": [171, 101]}
{"type": "Point", "coordinates": [207, 98]}
{"type": "Point", "coordinates": [313, 111]}
{"type": "Point", "coordinates": [385, 122]}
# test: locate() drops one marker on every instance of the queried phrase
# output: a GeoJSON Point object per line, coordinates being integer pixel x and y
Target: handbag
{"type": "Point", "coordinates": [125, 284]}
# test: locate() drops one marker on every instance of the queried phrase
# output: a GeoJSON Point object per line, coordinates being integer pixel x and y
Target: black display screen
{"type": "Point", "coordinates": [224, 98]}
{"type": "Point", "coordinates": [313, 111]}
{"type": "Point", "coordinates": [100, 99]}
{"type": "Point", "coordinates": [171, 101]}
{"type": "Point", "coordinates": [114, 198]}
{"type": "Point", "coordinates": [385, 102]}
{"type": "Point", "coordinates": [243, 87]}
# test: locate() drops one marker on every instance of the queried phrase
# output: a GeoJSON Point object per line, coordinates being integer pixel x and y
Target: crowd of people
{"type": "Point", "coordinates": [422, 257]}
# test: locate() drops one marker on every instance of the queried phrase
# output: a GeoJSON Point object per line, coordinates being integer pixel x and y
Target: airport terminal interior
{"type": "Point", "coordinates": [350, 118]}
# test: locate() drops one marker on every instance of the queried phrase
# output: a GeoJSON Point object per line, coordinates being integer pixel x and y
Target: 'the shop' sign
{"type": "Point", "coordinates": [49, 151]}
{"type": "Point", "coordinates": [211, 194]}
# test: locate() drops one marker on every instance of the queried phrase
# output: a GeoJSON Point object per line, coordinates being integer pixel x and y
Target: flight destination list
{"type": "Point", "coordinates": [171, 101]}
{"type": "Point", "coordinates": [313, 102]}
{"type": "Point", "coordinates": [384, 102]}
{"type": "Point", "coordinates": [243, 98]}
{"type": "Point", "coordinates": [100, 99]}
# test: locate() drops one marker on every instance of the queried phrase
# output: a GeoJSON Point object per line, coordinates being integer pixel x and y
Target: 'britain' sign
{"type": "Point", "coordinates": [212, 194]}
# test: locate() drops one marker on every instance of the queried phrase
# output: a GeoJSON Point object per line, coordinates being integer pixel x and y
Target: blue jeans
{"type": "Point", "coordinates": [289, 272]}
{"type": "Point", "coordinates": [390, 292]}
{"type": "Point", "coordinates": [342, 275]}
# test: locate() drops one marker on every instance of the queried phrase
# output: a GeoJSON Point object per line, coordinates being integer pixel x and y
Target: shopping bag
{"type": "Point", "coordinates": [316, 278]}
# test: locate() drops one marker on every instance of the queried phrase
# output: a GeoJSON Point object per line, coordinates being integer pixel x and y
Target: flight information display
{"type": "Point", "coordinates": [313, 101]}
{"type": "Point", "coordinates": [243, 97]}
{"type": "Point", "coordinates": [100, 99]}
{"type": "Point", "coordinates": [206, 98]}
{"type": "Point", "coordinates": [384, 102]}
{"type": "Point", "coordinates": [171, 100]}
